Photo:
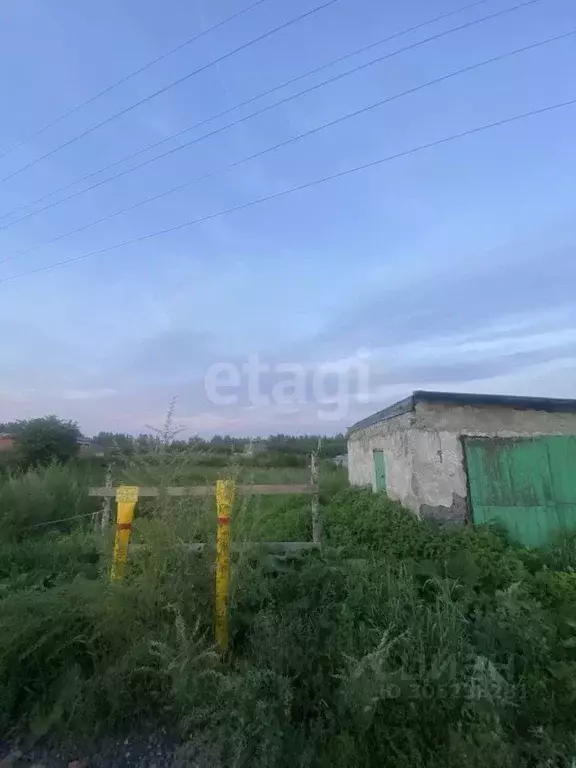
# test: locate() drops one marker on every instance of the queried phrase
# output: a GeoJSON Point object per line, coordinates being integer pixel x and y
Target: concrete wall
{"type": "Point", "coordinates": [423, 452]}
{"type": "Point", "coordinates": [393, 438]}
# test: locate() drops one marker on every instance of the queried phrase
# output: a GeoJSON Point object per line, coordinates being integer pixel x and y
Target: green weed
{"type": "Point", "coordinates": [401, 644]}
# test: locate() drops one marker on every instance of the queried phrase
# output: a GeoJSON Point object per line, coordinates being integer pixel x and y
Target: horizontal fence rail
{"type": "Point", "coordinates": [272, 547]}
{"type": "Point", "coordinates": [209, 490]}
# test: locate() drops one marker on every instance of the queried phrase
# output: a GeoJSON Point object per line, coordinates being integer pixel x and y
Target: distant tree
{"type": "Point", "coordinates": [196, 442]}
{"type": "Point", "coordinates": [9, 426]}
{"type": "Point", "coordinates": [116, 441]}
{"type": "Point", "coordinates": [145, 443]}
{"type": "Point", "coordinates": [41, 441]}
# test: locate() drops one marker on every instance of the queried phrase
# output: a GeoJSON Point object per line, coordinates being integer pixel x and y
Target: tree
{"type": "Point", "coordinates": [41, 441]}
{"type": "Point", "coordinates": [116, 442]}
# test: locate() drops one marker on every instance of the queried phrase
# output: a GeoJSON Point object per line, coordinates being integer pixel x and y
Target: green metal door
{"type": "Point", "coordinates": [528, 485]}
{"type": "Point", "coordinates": [379, 470]}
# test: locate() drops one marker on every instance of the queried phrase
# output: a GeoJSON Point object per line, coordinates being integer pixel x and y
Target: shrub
{"type": "Point", "coordinates": [401, 644]}
{"type": "Point", "coordinates": [37, 497]}
{"type": "Point", "coordinates": [47, 439]}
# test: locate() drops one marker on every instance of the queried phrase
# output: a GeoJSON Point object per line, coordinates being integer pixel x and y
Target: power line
{"type": "Point", "coordinates": [233, 108]}
{"type": "Point", "coordinates": [125, 79]}
{"type": "Point", "coordinates": [293, 139]}
{"type": "Point", "coordinates": [269, 107]}
{"type": "Point", "coordinates": [169, 86]}
{"type": "Point", "coordinates": [299, 188]}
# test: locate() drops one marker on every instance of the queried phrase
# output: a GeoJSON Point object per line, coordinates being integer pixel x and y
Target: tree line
{"type": "Point", "coordinates": [46, 439]}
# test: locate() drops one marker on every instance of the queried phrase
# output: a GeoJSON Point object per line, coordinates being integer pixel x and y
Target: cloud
{"type": "Point", "coordinates": [172, 354]}
{"type": "Point", "coordinates": [523, 281]}
{"type": "Point", "coordinates": [87, 394]}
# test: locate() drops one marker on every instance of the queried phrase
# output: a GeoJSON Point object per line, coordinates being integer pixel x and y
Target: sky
{"type": "Point", "coordinates": [450, 268]}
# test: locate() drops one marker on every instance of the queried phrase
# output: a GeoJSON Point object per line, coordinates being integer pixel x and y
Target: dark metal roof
{"type": "Point", "coordinates": [548, 404]}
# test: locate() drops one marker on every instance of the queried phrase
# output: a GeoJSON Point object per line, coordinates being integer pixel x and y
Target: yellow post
{"type": "Point", "coordinates": [225, 490]}
{"type": "Point", "coordinates": [126, 498]}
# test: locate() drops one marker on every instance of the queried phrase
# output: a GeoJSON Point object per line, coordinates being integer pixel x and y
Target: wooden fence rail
{"type": "Point", "coordinates": [224, 492]}
{"type": "Point", "coordinates": [210, 490]}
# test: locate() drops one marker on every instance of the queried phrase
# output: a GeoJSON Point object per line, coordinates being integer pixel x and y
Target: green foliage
{"type": "Point", "coordinates": [401, 644]}
{"type": "Point", "coordinates": [31, 500]}
{"type": "Point", "coordinates": [44, 440]}
{"type": "Point", "coordinates": [48, 561]}
{"type": "Point", "coordinates": [285, 449]}
{"type": "Point", "coordinates": [116, 443]}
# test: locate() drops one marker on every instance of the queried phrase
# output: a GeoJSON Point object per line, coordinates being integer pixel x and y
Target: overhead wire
{"type": "Point", "coordinates": [233, 108]}
{"type": "Point", "coordinates": [129, 76]}
{"type": "Point", "coordinates": [298, 188]}
{"type": "Point", "coordinates": [169, 86]}
{"type": "Point", "coordinates": [294, 139]}
{"type": "Point", "coordinates": [267, 108]}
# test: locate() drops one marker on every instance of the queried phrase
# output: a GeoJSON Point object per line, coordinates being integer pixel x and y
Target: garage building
{"type": "Point", "coordinates": [474, 458]}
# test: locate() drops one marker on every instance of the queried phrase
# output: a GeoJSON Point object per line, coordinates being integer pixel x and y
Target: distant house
{"type": "Point", "coordinates": [341, 460]}
{"type": "Point", "coordinates": [6, 442]}
{"type": "Point", "coordinates": [90, 448]}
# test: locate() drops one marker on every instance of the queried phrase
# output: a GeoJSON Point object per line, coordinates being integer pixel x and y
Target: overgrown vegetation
{"type": "Point", "coordinates": [44, 440]}
{"type": "Point", "coordinates": [401, 644]}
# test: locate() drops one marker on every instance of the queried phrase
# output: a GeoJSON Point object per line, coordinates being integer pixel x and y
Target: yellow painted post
{"type": "Point", "coordinates": [126, 498]}
{"type": "Point", "coordinates": [225, 491]}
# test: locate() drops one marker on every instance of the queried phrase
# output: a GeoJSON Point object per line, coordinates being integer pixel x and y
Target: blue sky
{"type": "Point", "coordinates": [452, 268]}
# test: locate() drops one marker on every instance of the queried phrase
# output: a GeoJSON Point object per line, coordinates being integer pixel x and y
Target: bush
{"type": "Point", "coordinates": [47, 561]}
{"type": "Point", "coordinates": [401, 644]}
{"type": "Point", "coordinates": [47, 439]}
{"type": "Point", "coordinates": [80, 655]}
{"type": "Point", "coordinates": [29, 501]}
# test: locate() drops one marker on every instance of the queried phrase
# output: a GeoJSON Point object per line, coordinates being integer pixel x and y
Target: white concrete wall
{"type": "Point", "coordinates": [393, 438]}
{"type": "Point", "coordinates": [424, 456]}
{"type": "Point", "coordinates": [495, 422]}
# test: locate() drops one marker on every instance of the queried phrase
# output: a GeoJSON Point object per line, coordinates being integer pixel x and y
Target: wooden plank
{"type": "Point", "coordinates": [276, 546]}
{"type": "Point", "coordinates": [208, 490]}
{"type": "Point", "coordinates": [246, 546]}
{"type": "Point", "coordinates": [275, 490]}
{"type": "Point", "coordinates": [145, 492]}
{"type": "Point", "coordinates": [315, 506]}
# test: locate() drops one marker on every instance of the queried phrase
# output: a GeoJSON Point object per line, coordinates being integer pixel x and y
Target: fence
{"type": "Point", "coordinates": [225, 492]}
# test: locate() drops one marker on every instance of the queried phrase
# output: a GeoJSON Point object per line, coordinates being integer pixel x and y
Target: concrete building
{"type": "Point", "coordinates": [89, 448]}
{"type": "Point", "coordinates": [457, 456]}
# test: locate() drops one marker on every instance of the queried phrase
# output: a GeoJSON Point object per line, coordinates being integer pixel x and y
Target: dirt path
{"type": "Point", "coordinates": [156, 750]}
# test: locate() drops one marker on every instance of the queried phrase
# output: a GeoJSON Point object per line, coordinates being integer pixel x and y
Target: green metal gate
{"type": "Point", "coordinates": [528, 485]}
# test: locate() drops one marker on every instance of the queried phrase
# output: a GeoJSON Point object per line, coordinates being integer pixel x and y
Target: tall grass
{"type": "Point", "coordinates": [31, 500]}
{"type": "Point", "coordinates": [401, 644]}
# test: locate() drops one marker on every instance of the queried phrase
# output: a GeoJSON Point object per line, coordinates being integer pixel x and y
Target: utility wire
{"type": "Point", "coordinates": [299, 188]}
{"type": "Point", "coordinates": [125, 79]}
{"type": "Point", "coordinates": [267, 108]}
{"type": "Point", "coordinates": [233, 108]}
{"type": "Point", "coordinates": [169, 86]}
{"type": "Point", "coordinates": [61, 520]}
{"type": "Point", "coordinates": [294, 139]}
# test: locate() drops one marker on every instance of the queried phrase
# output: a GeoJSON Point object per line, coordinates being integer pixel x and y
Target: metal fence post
{"type": "Point", "coordinates": [225, 492]}
{"type": "Point", "coordinates": [126, 498]}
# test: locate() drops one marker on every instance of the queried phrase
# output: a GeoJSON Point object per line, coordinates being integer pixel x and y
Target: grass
{"type": "Point", "coordinates": [401, 644]}
{"type": "Point", "coordinates": [31, 501]}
